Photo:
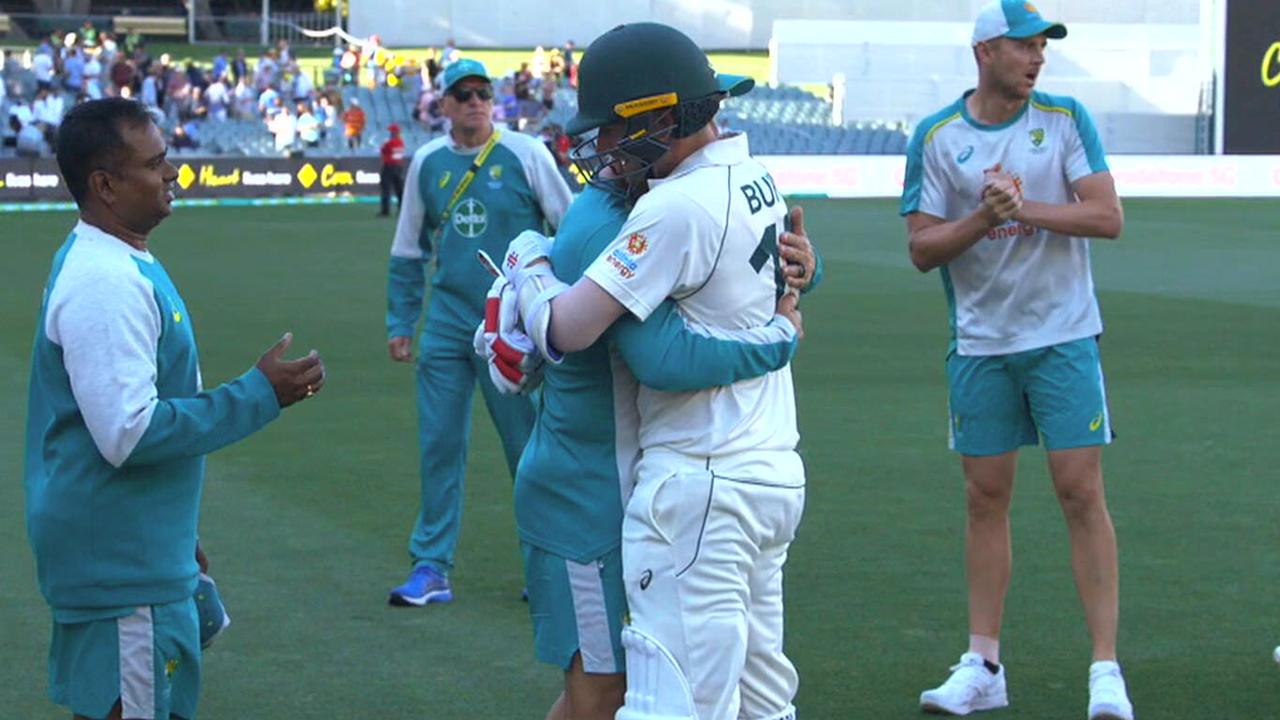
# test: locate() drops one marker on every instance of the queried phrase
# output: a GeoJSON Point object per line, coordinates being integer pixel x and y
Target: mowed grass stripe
{"type": "Point", "coordinates": [306, 523]}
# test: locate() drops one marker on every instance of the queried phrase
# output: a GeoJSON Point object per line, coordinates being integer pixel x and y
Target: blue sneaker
{"type": "Point", "coordinates": [423, 586]}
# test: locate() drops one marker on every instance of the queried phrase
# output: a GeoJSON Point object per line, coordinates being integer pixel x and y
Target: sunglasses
{"type": "Point", "coordinates": [465, 94]}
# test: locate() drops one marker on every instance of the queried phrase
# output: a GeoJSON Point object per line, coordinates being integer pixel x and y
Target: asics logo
{"type": "Point", "coordinates": [645, 579]}
{"type": "Point", "coordinates": [1095, 423]}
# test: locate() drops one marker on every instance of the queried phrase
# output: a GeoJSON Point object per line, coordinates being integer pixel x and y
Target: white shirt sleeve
{"type": "Point", "coordinates": [108, 326]}
{"type": "Point", "coordinates": [547, 184]}
{"type": "Point", "coordinates": [412, 214]}
{"type": "Point", "coordinates": [668, 246]}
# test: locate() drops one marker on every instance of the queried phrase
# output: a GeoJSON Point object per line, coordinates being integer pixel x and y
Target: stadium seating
{"type": "Point", "coordinates": [790, 121]}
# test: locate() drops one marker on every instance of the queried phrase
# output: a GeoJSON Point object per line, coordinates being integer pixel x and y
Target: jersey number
{"type": "Point", "coordinates": [768, 248]}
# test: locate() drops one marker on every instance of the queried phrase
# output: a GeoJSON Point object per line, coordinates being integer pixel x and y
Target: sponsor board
{"type": "Point", "coordinates": [836, 176]}
{"type": "Point", "coordinates": [1251, 107]}
{"type": "Point", "coordinates": [881, 176]}
{"type": "Point", "coordinates": [24, 180]}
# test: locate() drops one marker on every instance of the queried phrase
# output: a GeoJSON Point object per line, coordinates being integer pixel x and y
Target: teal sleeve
{"type": "Point", "coordinates": [913, 180]}
{"type": "Point", "coordinates": [817, 272]}
{"type": "Point", "coordinates": [666, 355]}
{"type": "Point", "coordinates": [406, 285]}
{"type": "Point", "coordinates": [189, 427]}
{"type": "Point", "coordinates": [1089, 139]}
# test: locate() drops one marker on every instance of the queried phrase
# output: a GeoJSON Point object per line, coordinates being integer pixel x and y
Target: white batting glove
{"type": "Point", "coordinates": [515, 365]}
{"type": "Point", "coordinates": [527, 247]}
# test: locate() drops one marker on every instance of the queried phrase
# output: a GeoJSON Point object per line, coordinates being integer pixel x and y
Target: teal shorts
{"type": "Point", "coordinates": [148, 659]}
{"type": "Point", "coordinates": [999, 403]}
{"type": "Point", "coordinates": [576, 608]}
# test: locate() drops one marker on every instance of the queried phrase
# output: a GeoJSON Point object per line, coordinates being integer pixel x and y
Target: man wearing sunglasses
{"type": "Point", "coordinates": [473, 189]}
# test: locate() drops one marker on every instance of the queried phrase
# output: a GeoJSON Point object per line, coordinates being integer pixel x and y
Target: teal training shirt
{"type": "Point", "coordinates": [117, 430]}
{"type": "Point", "coordinates": [516, 189]}
{"type": "Point", "coordinates": [576, 472]}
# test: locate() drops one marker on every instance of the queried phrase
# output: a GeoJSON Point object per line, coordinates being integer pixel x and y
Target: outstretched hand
{"type": "Point", "coordinates": [293, 380]}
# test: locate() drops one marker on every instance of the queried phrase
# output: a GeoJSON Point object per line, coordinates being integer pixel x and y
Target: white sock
{"type": "Point", "coordinates": [987, 647]}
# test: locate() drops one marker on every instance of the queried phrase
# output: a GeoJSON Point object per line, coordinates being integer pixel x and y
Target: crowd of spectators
{"type": "Point", "coordinates": [300, 107]}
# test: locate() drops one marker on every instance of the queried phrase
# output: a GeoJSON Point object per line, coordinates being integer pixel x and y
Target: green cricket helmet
{"type": "Point", "coordinates": [636, 74]}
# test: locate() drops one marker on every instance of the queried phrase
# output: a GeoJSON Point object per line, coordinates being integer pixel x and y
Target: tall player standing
{"type": "Point", "coordinates": [474, 188]}
{"type": "Point", "coordinates": [1004, 188]}
{"type": "Point", "coordinates": [719, 488]}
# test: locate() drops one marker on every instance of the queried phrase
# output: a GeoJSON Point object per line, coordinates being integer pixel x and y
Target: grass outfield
{"type": "Point", "coordinates": [306, 522]}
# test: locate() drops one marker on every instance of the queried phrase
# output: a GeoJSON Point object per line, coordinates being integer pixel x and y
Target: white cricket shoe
{"type": "Point", "coordinates": [971, 687]}
{"type": "Point", "coordinates": [1108, 699]}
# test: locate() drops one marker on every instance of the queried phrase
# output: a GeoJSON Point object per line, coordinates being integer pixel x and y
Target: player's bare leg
{"type": "Point", "coordinates": [1077, 479]}
{"type": "Point", "coordinates": [588, 696]}
{"type": "Point", "coordinates": [988, 553]}
{"type": "Point", "coordinates": [558, 709]}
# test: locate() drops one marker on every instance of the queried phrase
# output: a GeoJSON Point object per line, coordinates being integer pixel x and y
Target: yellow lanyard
{"type": "Point", "coordinates": [470, 175]}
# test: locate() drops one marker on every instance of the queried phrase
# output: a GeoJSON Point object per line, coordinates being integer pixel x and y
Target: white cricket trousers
{"type": "Point", "coordinates": [703, 545]}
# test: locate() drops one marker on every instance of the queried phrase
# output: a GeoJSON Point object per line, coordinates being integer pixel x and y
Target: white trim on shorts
{"type": "Point", "coordinates": [137, 664]}
{"type": "Point", "coordinates": [591, 614]}
{"type": "Point", "coordinates": [1106, 406]}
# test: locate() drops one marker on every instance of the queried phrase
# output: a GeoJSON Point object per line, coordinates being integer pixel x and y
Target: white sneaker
{"type": "Point", "coordinates": [971, 687]}
{"type": "Point", "coordinates": [1108, 699]}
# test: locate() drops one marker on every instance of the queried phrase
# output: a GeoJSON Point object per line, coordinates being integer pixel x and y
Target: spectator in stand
{"type": "Point", "coordinates": [283, 54]}
{"type": "Point", "coordinates": [181, 140]}
{"type": "Point", "coordinates": [570, 63]}
{"type": "Point", "coordinates": [327, 114]}
{"type": "Point", "coordinates": [132, 41]}
{"type": "Point", "coordinates": [195, 76]}
{"type": "Point", "coordinates": [89, 34]}
{"type": "Point", "coordinates": [150, 95]}
{"type": "Point", "coordinates": [301, 87]}
{"type": "Point", "coordinates": [47, 111]}
{"type": "Point", "coordinates": [430, 69]}
{"type": "Point", "coordinates": [267, 101]}
{"type": "Point", "coordinates": [539, 66]}
{"type": "Point", "coordinates": [177, 93]}
{"type": "Point", "coordinates": [430, 114]}
{"type": "Point", "coordinates": [353, 123]}
{"type": "Point", "coordinates": [29, 139]}
{"type": "Point", "coordinates": [284, 125]}
{"type": "Point", "coordinates": [42, 66]}
{"type": "Point", "coordinates": [123, 75]}
{"type": "Point", "coordinates": [244, 100]}
{"type": "Point", "coordinates": [549, 94]}
{"type": "Point", "coordinates": [73, 70]}
{"type": "Point", "coordinates": [239, 67]}
{"type": "Point", "coordinates": [350, 64]}
{"type": "Point", "coordinates": [216, 99]}
{"type": "Point", "coordinates": [220, 64]}
{"type": "Point", "coordinates": [392, 175]}
{"type": "Point", "coordinates": [267, 71]}
{"type": "Point", "coordinates": [451, 54]}
{"type": "Point", "coordinates": [308, 126]}
{"type": "Point", "coordinates": [93, 76]}
{"type": "Point", "coordinates": [142, 61]}
{"type": "Point", "coordinates": [107, 49]}
{"type": "Point", "coordinates": [523, 82]}
{"type": "Point", "coordinates": [510, 104]}
{"type": "Point", "coordinates": [276, 107]}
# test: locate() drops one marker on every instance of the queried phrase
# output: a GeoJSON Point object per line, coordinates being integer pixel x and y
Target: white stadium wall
{"type": "Point", "coordinates": [715, 24]}
{"type": "Point", "coordinates": [1182, 176]}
